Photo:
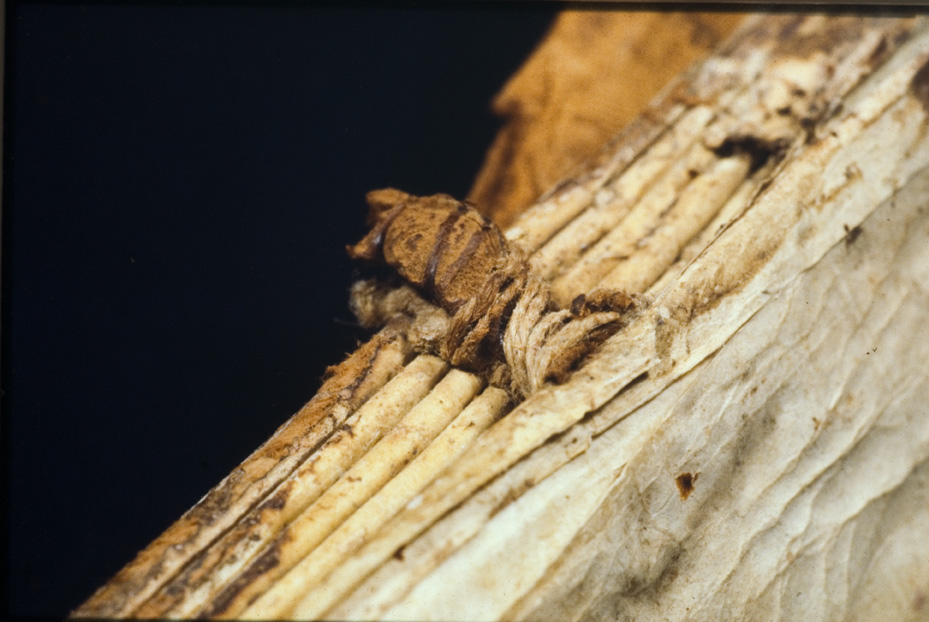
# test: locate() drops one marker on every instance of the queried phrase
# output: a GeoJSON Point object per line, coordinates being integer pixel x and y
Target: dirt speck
{"type": "Point", "coordinates": [685, 484]}
{"type": "Point", "coordinates": [920, 86]}
{"type": "Point", "coordinates": [919, 601]}
{"type": "Point", "coordinates": [851, 234]}
{"type": "Point", "coordinates": [759, 150]}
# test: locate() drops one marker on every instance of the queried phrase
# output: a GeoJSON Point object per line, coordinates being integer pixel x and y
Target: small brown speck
{"type": "Point", "coordinates": [851, 234]}
{"type": "Point", "coordinates": [920, 85]}
{"type": "Point", "coordinates": [685, 484]}
{"type": "Point", "coordinates": [276, 502]}
{"type": "Point", "coordinates": [919, 601]}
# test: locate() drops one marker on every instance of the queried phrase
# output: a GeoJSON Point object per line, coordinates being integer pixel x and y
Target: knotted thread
{"type": "Point", "coordinates": [491, 315]}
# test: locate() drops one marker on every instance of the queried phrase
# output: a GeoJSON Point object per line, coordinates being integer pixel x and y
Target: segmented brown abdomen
{"type": "Point", "coordinates": [439, 244]}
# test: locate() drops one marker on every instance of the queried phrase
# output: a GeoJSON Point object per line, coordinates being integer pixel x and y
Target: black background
{"type": "Point", "coordinates": [179, 185]}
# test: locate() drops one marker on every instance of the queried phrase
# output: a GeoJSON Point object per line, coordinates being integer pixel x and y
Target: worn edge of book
{"type": "Point", "coordinates": [803, 177]}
